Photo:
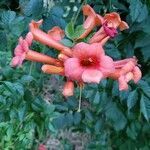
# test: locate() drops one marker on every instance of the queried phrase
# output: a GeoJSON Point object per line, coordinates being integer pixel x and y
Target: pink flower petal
{"type": "Point", "coordinates": [90, 13]}
{"type": "Point", "coordinates": [25, 46]}
{"type": "Point", "coordinates": [20, 40]}
{"type": "Point", "coordinates": [110, 31]}
{"type": "Point", "coordinates": [137, 74]}
{"type": "Point", "coordinates": [113, 18]}
{"type": "Point", "coordinates": [29, 38]}
{"type": "Point", "coordinates": [123, 25]}
{"type": "Point", "coordinates": [82, 50]}
{"type": "Point", "coordinates": [17, 61]}
{"type": "Point", "coordinates": [56, 33]}
{"type": "Point", "coordinates": [129, 76]}
{"type": "Point", "coordinates": [106, 65]}
{"type": "Point", "coordinates": [89, 22]}
{"type": "Point", "coordinates": [128, 67]}
{"type": "Point", "coordinates": [18, 50]}
{"type": "Point", "coordinates": [122, 83]}
{"type": "Point", "coordinates": [73, 70]}
{"type": "Point", "coordinates": [92, 76]}
{"type": "Point", "coordinates": [68, 89]}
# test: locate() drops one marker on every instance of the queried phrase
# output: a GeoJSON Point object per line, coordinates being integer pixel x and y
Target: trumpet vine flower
{"type": "Point", "coordinates": [23, 52]}
{"type": "Point", "coordinates": [88, 64]}
{"type": "Point", "coordinates": [91, 21]}
{"type": "Point", "coordinates": [51, 38]}
{"type": "Point", "coordinates": [84, 62]}
{"type": "Point", "coordinates": [110, 23]}
{"type": "Point", "coordinates": [126, 70]}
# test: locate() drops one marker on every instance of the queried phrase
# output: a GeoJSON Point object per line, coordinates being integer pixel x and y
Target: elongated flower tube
{"type": "Point", "coordinates": [91, 21]}
{"type": "Point", "coordinates": [62, 57]}
{"type": "Point", "coordinates": [23, 52]}
{"type": "Point", "coordinates": [68, 89]}
{"type": "Point", "coordinates": [51, 69]}
{"type": "Point", "coordinates": [50, 39]}
{"type": "Point", "coordinates": [89, 63]}
{"type": "Point", "coordinates": [120, 63]}
{"type": "Point", "coordinates": [111, 22]}
{"type": "Point", "coordinates": [126, 70]}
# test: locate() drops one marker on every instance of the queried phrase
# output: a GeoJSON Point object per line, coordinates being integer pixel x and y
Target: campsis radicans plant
{"type": "Point", "coordinates": [84, 62]}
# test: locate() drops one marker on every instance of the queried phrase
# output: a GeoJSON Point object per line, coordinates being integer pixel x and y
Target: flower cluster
{"type": "Point", "coordinates": [84, 62]}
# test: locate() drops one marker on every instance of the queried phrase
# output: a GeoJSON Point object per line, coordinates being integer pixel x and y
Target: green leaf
{"type": "Point", "coordinates": [79, 30]}
{"type": "Point", "coordinates": [18, 25]}
{"type": "Point", "coordinates": [9, 87]}
{"type": "Point", "coordinates": [133, 130]}
{"type": "Point", "coordinates": [21, 112]}
{"type": "Point", "coordinates": [61, 107]}
{"type": "Point", "coordinates": [37, 105]}
{"type": "Point", "coordinates": [3, 41]}
{"type": "Point", "coordinates": [142, 41]}
{"type": "Point", "coordinates": [98, 126]}
{"type": "Point", "coordinates": [132, 99]}
{"type": "Point", "coordinates": [2, 101]}
{"type": "Point", "coordinates": [145, 107]}
{"type": "Point", "coordinates": [116, 117]}
{"type": "Point", "coordinates": [96, 98]}
{"type": "Point", "coordinates": [51, 127]}
{"type": "Point", "coordinates": [69, 119]}
{"type": "Point", "coordinates": [77, 118]}
{"type": "Point", "coordinates": [115, 89]}
{"type": "Point", "coordinates": [138, 11]}
{"type": "Point", "coordinates": [25, 79]}
{"type": "Point", "coordinates": [144, 87]}
{"type": "Point", "coordinates": [7, 17]}
{"type": "Point", "coordinates": [55, 18]}
{"type": "Point", "coordinates": [60, 122]}
{"type": "Point", "coordinates": [143, 44]}
{"type": "Point", "coordinates": [48, 108]}
{"type": "Point", "coordinates": [127, 145]}
{"type": "Point", "coordinates": [19, 88]}
{"type": "Point", "coordinates": [72, 33]}
{"type": "Point", "coordinates": [112, 51]}
{"type": "Point", "coordinates": [67, 42]}
{"type": "Point", "coordinates": [33, 7]}
{"type": "Point", "coordinates": [89, 115]}
{"type": "Point", "coordinates": [69, 30]}
{"type": "Point", "coordinates": [145, 52]}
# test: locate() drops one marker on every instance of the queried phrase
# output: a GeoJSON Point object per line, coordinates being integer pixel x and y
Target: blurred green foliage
{"type": "Point", "coordinates": [113, 119]}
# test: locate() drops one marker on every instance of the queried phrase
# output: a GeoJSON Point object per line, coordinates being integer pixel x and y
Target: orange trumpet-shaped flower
{"type": "Point", "coordinates": [22, 52]}
{"type": "Point", "coordinates": [115, 21]}
{"type": "Point", "coordinates": [68, 89]}
{"type": "Point", "coordinates": [51, 38]}
{"type": "Point", "coordinates": [91, 21]}
{"type": "Point", "coordinates": [111, 22]}
{"type": "Point", "coordinates": [50, 69]}
{"type": "Point", "coordinates": [126, 70]}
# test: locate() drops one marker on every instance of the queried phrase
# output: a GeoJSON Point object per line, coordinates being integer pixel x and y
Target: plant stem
{"type": "Point", "coordinates": [110, 4]}
{"type": "Point", "coordinates": [74, 19]}
{"type": "Point", "coordinates": [31, 67]}
{"type": "Point", "coordinates": [80, 99]}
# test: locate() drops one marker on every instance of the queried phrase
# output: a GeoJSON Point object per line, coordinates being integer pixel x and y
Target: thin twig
{"type": "Point", "coordinates": [80, 99]}
{"type": "Point", "coordinates": [74, 19]}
